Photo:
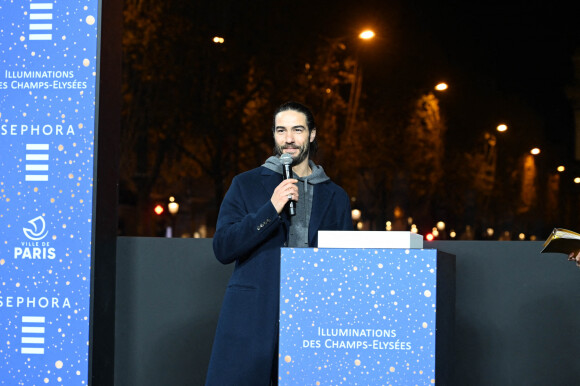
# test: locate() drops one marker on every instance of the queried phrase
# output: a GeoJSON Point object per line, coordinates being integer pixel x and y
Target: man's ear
{"type": "Point", "coordinates": [312, 135]}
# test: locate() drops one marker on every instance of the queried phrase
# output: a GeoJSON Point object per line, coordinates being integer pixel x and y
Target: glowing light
{"type": "Point", "coordinates": [218, 40]}
{"type": "Point", "coordinates": [173, 207]}
{"type": "Point", "coordinates": [522, 236]}
{"type": "Point", "coordinates": [158, 210]}
{"type": "Point", "coordinates": [441, 86]}
{"type": "Point", "coordinates": [356, 214]}
{"type": "Point", "coordinates": [577, 180]}
{"type": "Point", "coordinates": [502, 127]}
{"type": "Point", "coordinates": [429, 237]}
{"type": "Point", "coordinates": [452, 234]}
{"type": "Point", "coordinates": [561, 168]}
{"type": "Point", "coordinates": [367, 34]}
{"type": "Point", "coordinates": [535, 151]}
{"type": "Point", "coordinates": [441, 225]}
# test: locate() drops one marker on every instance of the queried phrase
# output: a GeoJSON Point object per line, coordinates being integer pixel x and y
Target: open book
{"type": "Point", "coordinates": [562, 241]}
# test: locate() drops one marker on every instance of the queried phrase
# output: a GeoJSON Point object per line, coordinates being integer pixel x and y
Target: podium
{"type": "Point", "coordinates": [366, 316]}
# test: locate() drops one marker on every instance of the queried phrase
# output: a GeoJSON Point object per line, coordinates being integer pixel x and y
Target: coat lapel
{"type": "Point", "coordinates": [320, 205]}
{"type": "Point", "coordinates": [270, 181]}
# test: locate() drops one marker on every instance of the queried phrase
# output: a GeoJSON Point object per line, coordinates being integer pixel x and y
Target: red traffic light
{"type": "Point", "coordinates": [158, 210]}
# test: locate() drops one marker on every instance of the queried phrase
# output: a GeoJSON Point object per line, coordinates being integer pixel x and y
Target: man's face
{"type": "Point", "coordinates": [291, 135]}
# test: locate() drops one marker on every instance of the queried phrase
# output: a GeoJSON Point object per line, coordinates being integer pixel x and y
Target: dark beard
{"type": "Point", "coordinates": [302, 155]}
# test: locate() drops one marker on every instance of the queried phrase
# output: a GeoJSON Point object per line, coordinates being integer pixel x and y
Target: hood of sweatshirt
{"type": "Point", "coordinates": [318, 175]}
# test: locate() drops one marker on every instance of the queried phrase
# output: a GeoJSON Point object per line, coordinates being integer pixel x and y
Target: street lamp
{"type": "Point", "coordinates": [173, 208]}
{"type": "Point", "coordinates": [502, 127]}
{"type": "Point", "coordinates": [355, 90]}
{"type": "Point", "coordinates": [367, 34]}
{"type": "Point", "coordinates": [489, 232]}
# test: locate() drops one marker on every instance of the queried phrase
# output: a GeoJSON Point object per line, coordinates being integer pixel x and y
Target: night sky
{"type": "Point", "coordinates": [505, 61]}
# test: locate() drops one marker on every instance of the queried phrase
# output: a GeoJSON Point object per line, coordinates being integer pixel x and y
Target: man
{"type": "Point", "coordinates": [252, 226]}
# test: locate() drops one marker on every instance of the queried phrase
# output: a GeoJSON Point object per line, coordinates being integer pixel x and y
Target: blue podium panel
{"type": "Point", "coordinates": [357, 316]}
{"type": "Point", "coordinates": [48, 71]}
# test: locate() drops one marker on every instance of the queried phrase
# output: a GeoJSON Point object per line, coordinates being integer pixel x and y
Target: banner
{"type": "Point", "coordinates": [357, 316]}
{"type": "Point", "coordinates": [48, 72]}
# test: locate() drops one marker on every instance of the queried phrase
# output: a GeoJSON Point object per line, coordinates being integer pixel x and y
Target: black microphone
{"type": "Point", "coordinates": [287, 172]}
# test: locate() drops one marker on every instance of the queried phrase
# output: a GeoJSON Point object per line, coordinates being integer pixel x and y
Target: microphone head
{"type": "Point", "coordinates": [286, 159]}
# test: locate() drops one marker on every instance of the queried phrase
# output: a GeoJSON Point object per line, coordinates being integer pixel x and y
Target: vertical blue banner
{"type": "Point", "coordinates": [48, 71]}
{"type": "Point", "coordinates": [357, 316]}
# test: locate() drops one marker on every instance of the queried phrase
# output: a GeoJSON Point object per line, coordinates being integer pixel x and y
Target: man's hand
{"type": "Point", "coordinates": [286, 191]}
{"type": "Point", "coordinates": [575, 256]}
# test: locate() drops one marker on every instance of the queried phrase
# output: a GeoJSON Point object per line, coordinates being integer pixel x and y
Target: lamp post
{"type": "Point", "coordinates": [356, 87]}
{"type": "Point", "coordinates": [356, 216]}
{"type": "Point", "coordinates": [487, 176]}
{"type": "Point", "coordinates": [173, 208]}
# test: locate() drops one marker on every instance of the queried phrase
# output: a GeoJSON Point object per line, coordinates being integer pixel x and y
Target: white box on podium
{"type": "Point", "coordinates": [369, 239]}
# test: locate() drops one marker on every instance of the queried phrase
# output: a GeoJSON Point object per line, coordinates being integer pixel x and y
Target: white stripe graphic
{"type": "Point", "coordinates": [29, 340]}
{"type": "Point", "coordinates": [33, 339]}
{"type": "Point", "coordinates": [37, 157]}
{"type": "Point", "coordinates": [33, 330]}
{"type": "Point", "coordinates": [33, 319]}
{"type": "Point", "coordinates": [40, 37]}
{"type": "Point", "coordinates": [29, 350]}
{"type": "Point", "coordinates": [37, 146]}
{"type": "Point", "coordinates": [37, 27]}
{"type": "Point", "coordinates": [36, 178]}
{"type": "Point", "coordinates": [41, 6]}
{"type": "Point", "coordinates": [37, 168]}
{"type": "Point", "coordinates": [41, 16]}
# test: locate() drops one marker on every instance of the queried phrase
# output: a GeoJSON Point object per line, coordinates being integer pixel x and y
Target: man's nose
{"type": "Point", "coordinates": [289, 137]}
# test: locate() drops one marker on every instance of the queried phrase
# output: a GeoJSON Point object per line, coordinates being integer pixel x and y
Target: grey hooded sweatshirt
{"type": "Point", "coordinates": [298, 237]}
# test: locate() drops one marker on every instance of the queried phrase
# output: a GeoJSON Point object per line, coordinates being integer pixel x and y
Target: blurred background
{"type": "Point", "coordinates": [455, 120]}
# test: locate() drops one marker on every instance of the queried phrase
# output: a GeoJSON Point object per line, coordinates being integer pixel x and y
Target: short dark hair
{"type": "Point", "coordinates": [299, 107]}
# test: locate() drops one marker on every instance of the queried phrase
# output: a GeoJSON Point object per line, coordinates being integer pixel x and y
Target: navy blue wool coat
{"type": "Point", "coordinates": [250, 234]}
